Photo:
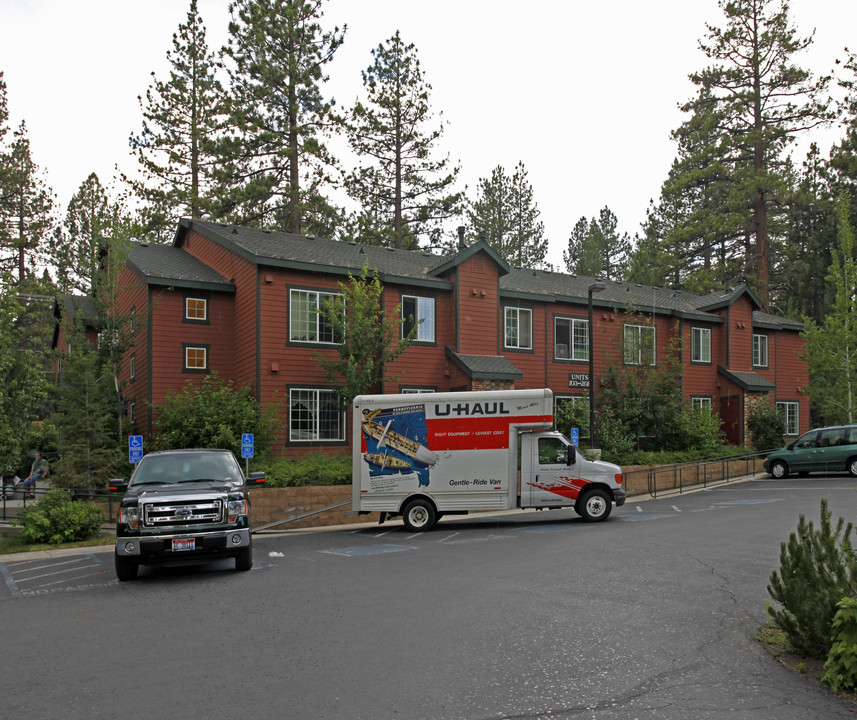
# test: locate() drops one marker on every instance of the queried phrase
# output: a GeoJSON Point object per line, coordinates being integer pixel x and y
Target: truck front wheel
{"type": "Point", "coordinates": [594, 506]}
{"type": "Point", "coordinates": [126, 568]}
{"type": "Point", "coordinates": [244, 559]}
{"type": "Point", "coordinates": [419, 515]}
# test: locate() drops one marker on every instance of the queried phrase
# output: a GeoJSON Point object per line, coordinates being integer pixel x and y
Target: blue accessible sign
{"type": "Point", "coordinates": [247, 445]}
{"type": "Point", "coordinates": [575, 436]}
{"type": "Point", "coordinates": [135, 449]}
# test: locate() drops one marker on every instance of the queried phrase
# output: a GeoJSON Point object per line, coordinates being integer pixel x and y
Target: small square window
{"type": "Point", "coordinates": [196, 358]}
{"type": "Point", "coordinates": [196, 308]}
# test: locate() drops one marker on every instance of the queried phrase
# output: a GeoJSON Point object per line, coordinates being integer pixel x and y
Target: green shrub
{"type": "Point", "coordinates": [58, 518]}
{"type": "Point", "coordinates": [817, 569]}
{"type": "Point", "coordinates": [841, 666]}
{"type": "Point", "coordinates": [315, 469]}
{"type": "Point", "coordinates": [766, 427]}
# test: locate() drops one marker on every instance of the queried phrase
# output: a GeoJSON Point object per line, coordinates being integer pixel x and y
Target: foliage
{"type": "Point", "coordinates": [314, 469]}
{"type": "Point", "coordinates": [841, 665]}
{"type": "Point", "coordinates": [831, 351]}
{"type": "Point", "coordinates": [766, 426]}
{"type": "Point", "coordinates": [87, 418]}
{"type": "Point", "coordinates": [670, 457]}
{"type": "Point", "coordinates": [402, 187]}
{"type": "Point", "coordinates": [58, 518]}
{"type": "Point", "coordinates": [505, 215]}
{"type": "Point", "coordinates": [817, 569]}
{"type": "Point", "coordinates": [23, 384]}
{"type": "Point", "coordinates": [214, 415]}
{"type": "Point", "coordinates": [596, 249]}
{"type": "Point", "coordinates": [370, 338]}
{"type": "Point", "coordinates": [273, 162]}
{"type": "Point", "coordinates": [569, 414]}
{"type": "Point", "coordinates": [181, 120]}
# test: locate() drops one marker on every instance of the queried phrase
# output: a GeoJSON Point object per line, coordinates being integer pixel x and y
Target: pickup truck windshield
{"type": "Point", "coordinates": [186, 467]}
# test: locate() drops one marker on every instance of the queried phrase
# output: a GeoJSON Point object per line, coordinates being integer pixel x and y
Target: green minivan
{"type": "Point", "coordinates": [827, 449]}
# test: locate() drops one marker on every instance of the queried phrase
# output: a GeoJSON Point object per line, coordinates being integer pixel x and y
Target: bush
{"type": "Point", "coordinates": [766, 427]}
{"type": "Point", "coordinates": [58, 518]}
{"type": "Point", "coordinates": [841, 666]}
{"type": "Point", "coordinates": [316, 469]}
{"type": "Point", "coordinates": [817, 569]}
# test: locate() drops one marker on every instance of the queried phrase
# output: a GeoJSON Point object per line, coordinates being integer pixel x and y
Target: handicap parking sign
{"type": "Point", "coordinates": [575, 436]}
{"type": "Point", "coordinates": [135, 449]}
{"type": "Point", "coordinates": [247, 445]}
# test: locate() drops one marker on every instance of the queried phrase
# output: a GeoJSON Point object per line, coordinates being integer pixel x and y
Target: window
{"type": "Point", "coordinates": [571, 339]}
{"type": "Point", "coordinates": [700, 345]}
{"type": "Point", "coordinates": [306, 323]}
{"type": "Point", "coordinates": [196, 309]}
{"type": "Point", "coordinates": [196, 358]}
{"type": "Point", "coordinates": [132, 369]}
{"type": "Point", "coordinates": [760, 351]}
{"type": "Point", "coordinates": [132, 410]}
{"type": "Point", "coordinates": [418, 311]}
{"type": "Point", "coordinates": [701, 404]}
{"type": "Point", "coordinates": [132, 323]}
{"type": "Point", "coordinates": [789, 411]}
{"type": "Point", "coordinates": [639, 345]}
{"type": "Point", "coordinates": [518, 328]}
{"type": "Point", "coordinates": [315, 415]}
{"type": "Point", "coordinates": [416, 391]}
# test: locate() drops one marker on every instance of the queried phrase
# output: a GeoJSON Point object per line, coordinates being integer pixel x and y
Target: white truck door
{"type": "Point", "coordinates": [553, 482]}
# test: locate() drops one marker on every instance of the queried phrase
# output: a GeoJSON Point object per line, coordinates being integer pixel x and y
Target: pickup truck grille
{"type": "Point", "coordinates": [183, 513]}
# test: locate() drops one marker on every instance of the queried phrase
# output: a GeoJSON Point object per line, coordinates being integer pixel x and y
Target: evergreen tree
{"type": "Point", "coordinates": [181, 119]}
{"type": "Point", "coordinates": [596, 249]}
{"type": "Point", "coordinates": [25, 213]}
{"type": "Point", "coordinates": [843, 159]}
{"type": "Point", "coordinates": [762, 101]}
{"type": "Point", "coordinates": [274, 166]}
{"type": "Point", "coordinates": [506, 216]}
{"type": "Point", "coordinates": [401, 183]}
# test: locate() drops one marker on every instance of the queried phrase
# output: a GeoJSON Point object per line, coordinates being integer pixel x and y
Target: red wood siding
{"type": "Point", "coordinates": [479, 324]}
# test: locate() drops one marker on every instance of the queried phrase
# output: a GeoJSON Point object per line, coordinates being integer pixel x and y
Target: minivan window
{"type": "Point", "coordinates": [806, 441]}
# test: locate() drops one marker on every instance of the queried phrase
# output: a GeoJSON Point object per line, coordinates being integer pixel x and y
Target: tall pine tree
{"type": "Point", "coordinates": [398, 180]}
{"type": "Point", "coordinates": [597, 249]}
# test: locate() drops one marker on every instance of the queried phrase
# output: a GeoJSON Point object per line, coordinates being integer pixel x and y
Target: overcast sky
{"type": "Point", "coordinates": [585, 94]}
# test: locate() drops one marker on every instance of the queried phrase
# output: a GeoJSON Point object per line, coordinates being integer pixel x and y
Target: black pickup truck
{"type": "Point", "coordinates": [184, 505]}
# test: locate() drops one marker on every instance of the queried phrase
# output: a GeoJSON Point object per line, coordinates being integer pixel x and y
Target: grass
{"type": "Point", "coordinates": [12, 545]}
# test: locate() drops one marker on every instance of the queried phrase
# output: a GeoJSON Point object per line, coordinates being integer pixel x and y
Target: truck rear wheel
{"type": "Point", "coordinates": [419, 515]}
{"type": "Point", "coordinates": [126, 568]}
{"type": "Point", "coordinates": [594, 506]}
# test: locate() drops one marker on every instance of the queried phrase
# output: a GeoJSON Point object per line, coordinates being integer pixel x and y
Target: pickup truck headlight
{"type": "Point", "coordinates": [130, 516]}
{"type": "Point", "coordinates": [236, 508]}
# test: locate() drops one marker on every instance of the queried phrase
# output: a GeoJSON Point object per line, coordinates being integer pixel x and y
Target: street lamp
{"type": "Point", "coordinates": [593, 288]}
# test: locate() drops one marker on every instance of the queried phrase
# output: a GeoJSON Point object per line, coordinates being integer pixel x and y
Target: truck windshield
{"type": "Point", "coordinates": [178, 468]}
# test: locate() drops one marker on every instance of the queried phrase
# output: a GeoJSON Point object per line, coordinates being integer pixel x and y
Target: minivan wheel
{"type": "Point", "coordinates": [779, 469]}
{"type": "Point", "coordinates": [852, 466]}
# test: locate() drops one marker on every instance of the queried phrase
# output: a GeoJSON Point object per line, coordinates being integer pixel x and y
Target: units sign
{"type": "Point", "coordinates": [578, 380]}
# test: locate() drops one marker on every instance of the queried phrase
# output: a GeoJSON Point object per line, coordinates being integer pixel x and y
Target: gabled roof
{"type": "Point", "coordinates": [750, 381]}
{"type": "Point", "coordinates": [485, 367]}
{"type": "Point", "coordinates": [468, 252]}
{"type": "Point", "coordinates": [169, 266]}
{"type": "Point", "coordinates": [723, 298]}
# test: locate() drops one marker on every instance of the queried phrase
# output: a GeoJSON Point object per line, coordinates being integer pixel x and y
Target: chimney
{"type": "Point", "coordinates": [461, 244]}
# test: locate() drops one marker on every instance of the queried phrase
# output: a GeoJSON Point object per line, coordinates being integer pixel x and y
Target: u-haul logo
{"type": "Point", "coordinates": [471, 409]}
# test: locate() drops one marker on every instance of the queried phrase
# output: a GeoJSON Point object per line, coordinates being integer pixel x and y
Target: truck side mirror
{"type": "Point", "coordinates": [572, 455]}
{"type": "Point", "coordinates": [255, 478]}
{"type": "Point", "coordinates": [118, 484]}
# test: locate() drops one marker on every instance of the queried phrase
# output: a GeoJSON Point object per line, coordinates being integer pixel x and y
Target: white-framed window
{"type": "Point", "coordinates": [640, 345]}
{"type": "Point", "coordinates": [306, 323]}
{"type": "Point", "coordinates": [790, 412]}
{"type": "Point", "coordinates": [196, 308]}
{"type": "Point", "coordinates": [701, 403]}
{"type": "Point", "coordinates": [416, 391]}
{"type": "Point", "coordinates": [570, 339]}
{"type": "Point", "coordinates": [195, 357]}
{"type": "Point", "coordinates": [132, 366]}
{"type": "Point", "coordinates": [518, 328]}
{"type": "Point", "coordinates": [700, 345]}
{"type": "Point", "coordinates": [132, 322]}
{"type": "Point", "coordinates": [132, 410]}
{"type": "Point", "coordinates": [418, 311]}
{"type": "Point", "coordinates": [760, 350]}
{"type": "Point", "coordinates": [315, 414]}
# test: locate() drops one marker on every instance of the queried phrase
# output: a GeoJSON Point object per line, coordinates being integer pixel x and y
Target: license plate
{"type": "Point", "coordinates": [184, 544]}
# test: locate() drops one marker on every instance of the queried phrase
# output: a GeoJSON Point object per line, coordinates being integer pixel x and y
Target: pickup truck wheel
{"type": "Point", "coordinates": [244, 560]}
{"type": "Point", "coordinates": [126, 568]}
{"type": "Point", "coordinates": [594, 506]}
{"type": "Point", "coordinates": [779, 470]}
{"type": "Point", "coordinates": [419, 515]}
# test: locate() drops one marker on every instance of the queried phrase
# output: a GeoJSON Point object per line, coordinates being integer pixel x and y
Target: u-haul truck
{"type": "Point", "coordinates": [423, 456]}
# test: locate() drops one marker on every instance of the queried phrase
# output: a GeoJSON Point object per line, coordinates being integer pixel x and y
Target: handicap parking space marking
{"type": "Point", "coordinates": [27, 578]}
{"type": "Point", "coordinates": [755, 501]}
{"type": "Point", "coordinates": [551, 527]}
{"type": "Point", "coordinates": [367, 550]}
{"type": "Point", "coordinates": [643, 516]}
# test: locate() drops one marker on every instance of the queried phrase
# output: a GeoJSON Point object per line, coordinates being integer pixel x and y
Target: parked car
{"type": "Point", "coordinates": [184, 505]}
{"type": "Point", "coordinates": [829, 449]}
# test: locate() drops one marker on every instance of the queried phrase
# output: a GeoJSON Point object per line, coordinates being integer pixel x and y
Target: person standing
{"type": "Point", "coordinates": [38, 471]}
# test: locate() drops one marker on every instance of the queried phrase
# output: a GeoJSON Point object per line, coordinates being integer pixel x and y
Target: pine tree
{"type": "Point", "coordinates": [507, 217]}
{"type": "Point", "coordinates": [274, 166]}
{"type": "Point", "coordinates": [181, 119]}
{"type": "Point", "coordinates": [401, 182]}
{"type": "Point", "coordinates": [843, 157]}
{"type": "Point", "coordinates": [762, 101]}
{"type": "Point", "coordinates": [596, 249]}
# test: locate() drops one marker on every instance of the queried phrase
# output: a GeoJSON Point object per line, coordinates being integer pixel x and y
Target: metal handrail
{"type": "Point", "coordinates": [702, 472]}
